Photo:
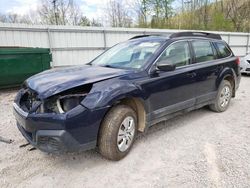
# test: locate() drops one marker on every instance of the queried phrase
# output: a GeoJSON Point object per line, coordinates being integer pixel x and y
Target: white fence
{"type": "Point", "coordinates": [78, 45]}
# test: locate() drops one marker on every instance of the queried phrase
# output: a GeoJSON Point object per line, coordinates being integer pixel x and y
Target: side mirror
{"type": "Point", "coordinates": [165, 66]}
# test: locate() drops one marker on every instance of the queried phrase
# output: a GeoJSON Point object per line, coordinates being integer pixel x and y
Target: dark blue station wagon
{"type": "Point", "coordinates": [125, 90]}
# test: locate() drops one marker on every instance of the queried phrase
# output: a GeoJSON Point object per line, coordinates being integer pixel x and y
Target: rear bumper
{"type": "Point", "coordinates": [247, 70]}
{"type": "Point", "coordinates": [245, 66]}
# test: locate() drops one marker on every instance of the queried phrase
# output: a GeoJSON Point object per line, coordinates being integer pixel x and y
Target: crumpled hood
{"type": "Point", "coordinates": [54, 81]}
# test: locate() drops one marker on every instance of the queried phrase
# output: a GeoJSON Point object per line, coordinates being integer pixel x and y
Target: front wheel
{"type": "Point", "coordinates": [223, 97]}
{"type": "Point", "coordinates": [118, 132]}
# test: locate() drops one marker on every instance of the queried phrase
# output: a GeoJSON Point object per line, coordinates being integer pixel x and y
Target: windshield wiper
{"type": "Point", "coordinates": [109, 66]}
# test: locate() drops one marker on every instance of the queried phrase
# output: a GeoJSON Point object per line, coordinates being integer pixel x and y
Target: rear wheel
{"type": "Point", "coordinates": [118, 132]}
{"type": "Point", "coordinates": [223, 97]}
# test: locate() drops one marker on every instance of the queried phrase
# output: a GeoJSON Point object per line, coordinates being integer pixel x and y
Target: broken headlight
{"type": "Point", "coordinates": [61, 104]}
{"type": "Point", "coordinates": [66, 103]}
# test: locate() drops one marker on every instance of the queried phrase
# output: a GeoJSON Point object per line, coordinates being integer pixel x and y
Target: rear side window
{"type": "Point", "coordinates": [222, 50]}
{"type": "Point", "coordinates": [203, 51]}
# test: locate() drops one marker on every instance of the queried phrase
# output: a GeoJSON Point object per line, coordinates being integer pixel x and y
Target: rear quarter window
{"type": "Point", "coordinates": [222, 50]}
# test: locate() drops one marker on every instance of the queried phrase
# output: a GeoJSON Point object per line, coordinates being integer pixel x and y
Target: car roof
{"type": "Point", "coordinates": [180, 35]}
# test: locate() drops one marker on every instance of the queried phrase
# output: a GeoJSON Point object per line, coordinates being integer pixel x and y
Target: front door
{"type": "Point", "coordinates": [171, 91]}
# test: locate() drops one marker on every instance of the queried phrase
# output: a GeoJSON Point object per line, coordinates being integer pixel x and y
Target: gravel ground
{"type": "Point", "coordinates": [198, 149]}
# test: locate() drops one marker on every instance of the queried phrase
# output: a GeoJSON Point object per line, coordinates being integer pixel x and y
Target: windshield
{"type": "Point", "coordinates": [131, 54]}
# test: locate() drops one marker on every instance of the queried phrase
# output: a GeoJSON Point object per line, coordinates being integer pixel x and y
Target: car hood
{"type": "Point", "coordinates": [57, 80]}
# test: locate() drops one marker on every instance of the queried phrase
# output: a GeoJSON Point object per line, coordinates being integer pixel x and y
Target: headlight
{"type": "Point", "coordinates": [66, 103]}
{"type": "Point", "coordinates": [61, 104]}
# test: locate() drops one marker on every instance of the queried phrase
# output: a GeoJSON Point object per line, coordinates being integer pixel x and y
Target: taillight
{"type": "Point", "coordinates": [237, 61]}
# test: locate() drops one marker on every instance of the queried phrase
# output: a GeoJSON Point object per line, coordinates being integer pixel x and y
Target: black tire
{"type": "Point", "coordinates": [107, 141]}
{"type": "Point", "coordinates": [216, 106]}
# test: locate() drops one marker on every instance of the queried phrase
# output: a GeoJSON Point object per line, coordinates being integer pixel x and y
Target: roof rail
{"type": "Point", "coordinates": [139, 36]}
{"type": "Point", "coordinates": [196, 34]}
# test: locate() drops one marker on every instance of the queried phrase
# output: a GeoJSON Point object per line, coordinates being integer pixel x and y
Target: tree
{"type": "Point", "coordinates": [141, 9]}
{"type": "Point", "coordinates": [238, 12]}
{"type": "Point", "coordinates": [118, 16]}
{"type": "Point", "coordinates": [54, 12]}
{"type": "Point", "coordinates": [167, 8]}
{"type": "Point", "coordinates": [63, 12]}
{"type": "Point", "coordinates": [84, 21]}
{"type": "Point", "coordinates": [3, 18]}
{"type": "Point", "coordinates": [96, 23]}
{"type": "Point", "coordinates": [224, 15]}
{"type": "Point", "coordinates": [15, 18]}
{"type": "Point", "coordinates": [161, 11]}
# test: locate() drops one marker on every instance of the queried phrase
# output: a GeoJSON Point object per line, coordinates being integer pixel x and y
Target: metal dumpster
{"type": "Point", "coordinates": [17, 64]}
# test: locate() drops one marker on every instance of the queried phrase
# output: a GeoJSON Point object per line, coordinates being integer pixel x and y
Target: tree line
{"type": "Point", "coordinates": [220, 15]}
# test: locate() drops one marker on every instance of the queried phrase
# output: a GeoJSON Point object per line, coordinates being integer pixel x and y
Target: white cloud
{"type": "Point", "coordinates": [90, 8]}
{"type": "Point", "coordinates": [93, 9]}
{"type": "Point", "coordinates": [94, 2]}
{"type": "Point", "coordinates": [97, 9]}
{"type": "Point", "coordinates": [23, 7]}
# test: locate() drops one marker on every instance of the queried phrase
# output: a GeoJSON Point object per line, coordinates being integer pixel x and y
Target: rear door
{"type": "Point", "coordinates": [206, 69]}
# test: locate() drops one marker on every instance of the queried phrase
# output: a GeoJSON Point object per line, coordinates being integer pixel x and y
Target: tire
{"type": "Point", "coordinates": [114, 123]}
{"type": "Point", "coordinates": [219, 106]}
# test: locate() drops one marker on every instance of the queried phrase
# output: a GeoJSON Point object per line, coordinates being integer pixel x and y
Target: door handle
{"type": "Point", "coordinates": [191, 74]}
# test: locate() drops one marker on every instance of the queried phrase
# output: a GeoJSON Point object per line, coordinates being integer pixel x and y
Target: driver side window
{"type": "Point", "coordinates": [177, 54]}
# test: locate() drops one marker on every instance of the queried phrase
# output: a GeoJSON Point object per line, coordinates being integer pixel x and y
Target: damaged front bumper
{"type": "Point", "coordinates": [55, 133]}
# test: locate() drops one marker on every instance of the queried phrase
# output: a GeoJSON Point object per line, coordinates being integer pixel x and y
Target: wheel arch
{"type": "Point", "coordinates": [138, 106]}
{"type": "Point", "coordinates": [229, 75]}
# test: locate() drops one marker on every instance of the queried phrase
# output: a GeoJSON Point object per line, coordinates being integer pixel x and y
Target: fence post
{"type": "Point", "coordinates": [228, 41]}
{"type": "Point", "coordinates": [50, 45]}
{"type": "Point", "coordinates": [248, 43]}
{"type": "Point", "coordinates": [104, 39]}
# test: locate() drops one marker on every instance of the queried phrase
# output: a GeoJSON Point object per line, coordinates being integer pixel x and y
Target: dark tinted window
{"type": "Point", "coordinates": [203, 51]}
{"type": "Point", "coordinates": [177, 54]}
{"type": "Point", "coordinates": [223, 50]}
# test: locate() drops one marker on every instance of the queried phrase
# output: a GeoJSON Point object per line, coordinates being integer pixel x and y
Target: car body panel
{"type": "Point", "coordinates": [162, 94]}
{"type": "Point", "coordinates": [165, 89]}
{"type": "Point", "coordinates": [245, 64]}
{"type": "Point", "coordinates": [54, 81]}
{"type": "Point", "coordinates": [107, 92]}
{"type": "Point", "coordinates": [77, 123]}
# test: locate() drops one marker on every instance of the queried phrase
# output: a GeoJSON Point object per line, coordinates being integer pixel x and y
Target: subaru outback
{"type": "Point", "coordinates": [125, 90]}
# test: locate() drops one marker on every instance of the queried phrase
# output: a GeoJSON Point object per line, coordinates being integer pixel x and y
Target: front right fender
{"type": "Point", "coordinates": [106, 93]}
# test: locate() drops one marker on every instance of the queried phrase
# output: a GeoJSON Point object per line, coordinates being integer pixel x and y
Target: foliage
{"type": "Point", "coordinates": [220, 15]}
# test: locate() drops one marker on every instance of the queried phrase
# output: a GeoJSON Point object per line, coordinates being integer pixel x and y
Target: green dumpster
{"type": "Point", "coordinates": [17, 64]}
